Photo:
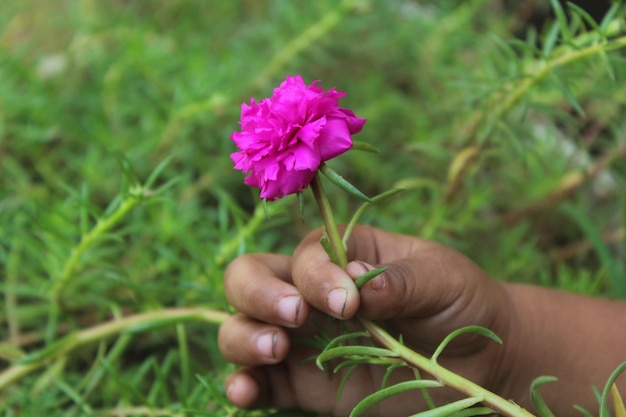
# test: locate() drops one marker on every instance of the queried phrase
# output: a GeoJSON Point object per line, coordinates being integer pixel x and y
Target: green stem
{"type": "Point", "coordinates": [304, 40]}
{"type": "Point", "coordinates": [541, 71]}
{"type": "Point", "coordinates": [446, 377]}
{"type": "Point", "coordinates": [260, 215]}
{"type": "Point", "coordinates": [135, 323]}
{"type": "Point", "coordinates": [101, 227]}
{"type": "Point", "coordinates": [329, 221]}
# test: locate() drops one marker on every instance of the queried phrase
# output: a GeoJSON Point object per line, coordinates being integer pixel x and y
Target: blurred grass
{"type": "Point", "coordinates": [117, 196]}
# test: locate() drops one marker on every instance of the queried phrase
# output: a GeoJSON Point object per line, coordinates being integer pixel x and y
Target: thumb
{"type": "Point", "coordinates": [424, 285]}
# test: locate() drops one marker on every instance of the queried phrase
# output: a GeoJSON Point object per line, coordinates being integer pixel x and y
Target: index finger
{"type": "Point", "coordinates": [322, 283]}
{"type": "Point", "coordinates": [260, 286]}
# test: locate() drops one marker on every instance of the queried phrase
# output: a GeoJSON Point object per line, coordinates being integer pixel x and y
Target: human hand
{"type": "Point", "coordinates": [428, 291]}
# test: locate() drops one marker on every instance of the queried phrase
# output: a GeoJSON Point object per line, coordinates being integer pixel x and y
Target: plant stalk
{"type": "Point", "coordinates": [443, 375]}
{"type": "Point", "coordinates": [101, 227]}
{"type": "Point", "coordinates": [135, 323]}
{"type": "Point", "coordinates": [332, 231]}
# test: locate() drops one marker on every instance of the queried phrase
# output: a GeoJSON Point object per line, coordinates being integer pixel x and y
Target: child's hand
{"type": "Point", "coordinates": [427, 292]}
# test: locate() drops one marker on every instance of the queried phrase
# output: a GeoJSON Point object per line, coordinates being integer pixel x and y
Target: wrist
{"type": "Point", "coordinates": [560, 334]}
{"type": "Point", "coordinates": [508, 377]}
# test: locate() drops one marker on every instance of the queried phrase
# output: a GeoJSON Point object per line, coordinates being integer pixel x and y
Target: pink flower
{"type": "Point", "coordinates": [285, 138]}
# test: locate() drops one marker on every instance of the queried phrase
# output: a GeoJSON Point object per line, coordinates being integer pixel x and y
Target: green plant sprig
{"type": "Point", "coordinates": [394, 348]}
{"type": "Point", "coordinates": [132, 196]}
{"type": "Point", "coordinates": [130, 324]}
{"type": "Point", "coordinates": [445, 376]}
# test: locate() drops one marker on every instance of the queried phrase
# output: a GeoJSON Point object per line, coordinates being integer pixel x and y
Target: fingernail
{"type": "Point", "coordinates": [289, 308]}
{"type": "Point", "coordinates": [379, 283]}
{"type": "Point", "coordinates": [266, 345]}
{"type": "Point", "coordinates": [337, 301]}
{"type": "Point", "coordinates": [358, 269]}
{"type": "Point", "coordinates": [231, 391]}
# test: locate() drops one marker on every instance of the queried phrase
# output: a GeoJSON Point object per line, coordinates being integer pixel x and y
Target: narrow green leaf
{"type": "Point", "coordinates": [130, 180]}
{"type": "Point", "coordinates": [74, 395]}
{"type": "Point", "coordinates": [162, 188]}
{"type": "Point", "coordinates": [340, 339]}
{"type": "Point", "coordinates": [607, 64]}
{"type": "Point", "coordinates": [478, 330]}
{"type": "Point", "coordinates": [388, 372]}
{"type": "Point", "coordinates": [156, 172]}
{"type": "Point", "coordinates": [387, 195]}
{"type": "Point", "coordinates": [561, 18]}
{"type": "Point", "coordinates": [510, 54]}
{"type": "Point", "coordinates": [368, 276]}
{"type": "Point", "coordinates": [604, 411]}
{"type": "Point", "coordinates": [550, 40]}
{"type": "Point", "coordinates": [328, 248]}
{"type": "Point", "coordinates": [350, 363]}
{"type": "Point", "coordinates": [612, 265]}
{"type": "Point", "coordinates": [585, 16]}
{"type": "Point", "coordinates": [363, 146]}
{"type": "Point", "coordinates": [474, 411]}
{"type": "Point", "coordinates": [584, 412]}
{"type": "Point", "coordinates": [340, 182]}
{"type": "Point", "coordinates": [424, 391]}
{"type": "Point", "coordinates": [84, 209]}
{"type": "Point", "coordinates": [448, 409]}
{"type": "Point", "coordinates": [571, 99]}
{"type": "Point", "coordinates": [214, 387]}
{"type": "Point", "coordinates": [366, 206]}
{"type": "Point", "coordinates": [344, 379]}
{"type": "Point", "coordinates": [535, 396]}
{"type": "Point", "coordinates": [385, 393]}
{"type": "Point", "coordinates": [608, 17]}
{"type": "Point", "coordinates": [352, 351]}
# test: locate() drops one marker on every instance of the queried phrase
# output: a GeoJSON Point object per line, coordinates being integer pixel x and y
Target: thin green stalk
{"type": "Point", "coordinates": [448, 378]}
{"type": "Point", "coordinates": [10, 297]}
{"type": "Point", "coordinates": [260, 215]}
{"type": "Point", "coordinates": [135, 323]}
{"type": "Point", "coordinates": [364, 207]}
{"type": "Point", "coordinates": [304, 40]}
{"type": "Point", "coordinates": [102, 226]}
{"type": "Point", "coordinates": [330, 224]}
{"type": "Point", "coordinates": [543, 70]}
{"type": "Point", "coordinates": [185, 368]}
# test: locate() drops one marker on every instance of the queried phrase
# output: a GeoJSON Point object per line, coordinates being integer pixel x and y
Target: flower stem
{"type": "Point", "coordinates": [448, 378]}
{"type": "Point", "coordinates": [329, 221]}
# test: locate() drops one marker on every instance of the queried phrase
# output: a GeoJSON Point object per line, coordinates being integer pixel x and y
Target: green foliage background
{"type": "Point", "coordinates": [118, 198]}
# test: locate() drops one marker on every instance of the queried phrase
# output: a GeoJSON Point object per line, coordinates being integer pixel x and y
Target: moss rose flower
{"type": "Point", "coordinates": [285, 138]}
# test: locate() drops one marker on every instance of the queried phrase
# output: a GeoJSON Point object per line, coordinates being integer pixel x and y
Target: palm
{"type": "Point", "coordinates": [318, 391]}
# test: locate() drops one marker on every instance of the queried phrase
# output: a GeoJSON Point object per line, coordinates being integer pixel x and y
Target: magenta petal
{"type": "Point", "coordinates": [334, 139]}
{"type": "Point", "coordinates": [293, 182]}
{"type": "Point", "coordinates": [252, 181]}
{"type": "Point", "coordinates": [311, 131]}
{"type": "Point", "coordinates": [303, 158]}
{"type": "Point", "coordinates": [355, 124]}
